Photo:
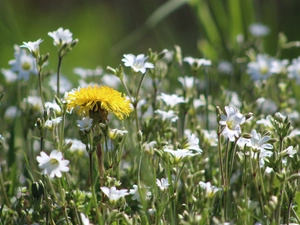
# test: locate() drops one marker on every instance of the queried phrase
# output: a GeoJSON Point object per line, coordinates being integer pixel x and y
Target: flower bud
{"type": "Point", "coordinates": [37, 189]}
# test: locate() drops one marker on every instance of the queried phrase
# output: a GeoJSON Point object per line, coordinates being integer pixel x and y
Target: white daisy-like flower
{"type": "Point", "coordinates": [61, 37]}
{"type": "Point", "coordinates": [85, 73]}
{"type": "Point", "coordinates": [210, 190]}
{"type": "Point", "coordinates": [187, 82]}
{"type": "Point", "coordinates": [53, 164]}
{"type": "Point", "coordinates": [267, 106]}
{"type": "Point", "coordinates": [265, 121]}
{"type": "Point", "coordinates": [51, 124]}
{"type": "Point", "coordinates": [197, 63]}
{"type": "Point", "coordinates": [163, 183]}
{"type": "Point", "coordinates": [84, 219]}
{"type": "Point", "coordinates": [11, 112]}
{"type": "Point", "coordinates": [135, 192]}
{"type": "Point", "coordinates": [256, 142]}
{"type": "Point", "coordinates": [33, 47]}
{"type": "Point", "coordinates": [24, 64]}
{"type": "Point", "coordinates": [261, 68]}
{"type": "Point", "coordinates": [35, 102]}
{"type": "Point", "coordinates": [137, 63]}
{"type": "Point", "coordinates": [294, 70]}
{"type": "Point", "coordinates": [54, 106]}
{"type": "Point", "coordinates": [113, 194]}
{"type": "Point", "coordinates": [179, 154]}
{"type": "Point", "coordinates": [259, 30]}
{"type": "Point", "coordinates": [169, 115]}
{"type": "Point", "coordinates": [77, 146]}
{"type": "Point", "coordinates": [279, 66]}
{"type": "Point", "coordinates": [149, 147]}
{"type": "Point", "coordinates": [114, 133]}
{"type": "Point", "coordinates": [211, 137]}
{"type": "Point", "coordinates": [171, 100]}
{"type": "Point", "coordinates": [192, 143]}
{"type": "Point", "coordinates": [290, 151]}
{"type": "Point", "coordinates": [225, 67]}
{"type": "Point", "coordinates": [85, 124]}
{"type": "Point", "coordinates": [9, 75]}
{"type": "Point", "coordinates": [232, 121]}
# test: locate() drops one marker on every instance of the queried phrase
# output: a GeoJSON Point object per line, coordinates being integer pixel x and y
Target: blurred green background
{"type": "Point", "coordinates": [109, 28]}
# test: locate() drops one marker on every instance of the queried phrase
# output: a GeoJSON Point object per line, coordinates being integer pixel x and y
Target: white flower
{"type": "Point", "coordinates": [265, 121]}
{"type": "Point", "coordinates": [170, 115]}
{"type": "Point", "coordinates": [24, 64]}
{"type": "Point", "coordinates": [135, 192]}
{"type": "Point", "coordinates": [259, 30]}
{"type": "Point", "coordinates": [163, 183]}
{"type": "Point", "coordinates": [85, 124]}
{"type": "Point", "coordinates": [197, 63]}
{"type": "Point", "coordinates": [260, 69]}
{"type": "Point", "coordinates": [35, 102]}
{"type": "Point", "coordinates": [171, 100]}
{"type": "Point", "coordinates": [76, 146]}
{"type": "Point", "coordinates": [187, 82]}
{"type": "Point", "coordinates": [225, 67]}
{"type": "Point", "coordinates": [51, 124]}
{"type": "Point", "coordinates": [211, 137]}
{"type": "Point", "coordinates": [267, 106]}
{"type": "Point", "coordinates": [279, 66]}
{"type": "Point", "coordinates": [54, 164]}
{"type": "Point", "coordinates": [61, 37]}
{"type": "Point", "coordinates": [114, 133]}
{"type": "Point", "coordinates": [11, 112]}
{"type": "Point", "coordinates": [209, 189]}
{"type": "Point", "coordinates": [294, 70]}
{"type": "Point", "coordinates": [232, 121]}
{"type": "Point", "coordinates": [289, 152]}
{"type": "Point", "coordinates": [33, 47]}
{"type": "Point", "coordinates": [192, 143]}
{"type": "Point", "coordinates": [85, 73]}
{"type": "Point", "coordinates": [256, 142]}
{"type": "Point", "coordinates": [179, 154]}
{"type": "Point", "coordinates": [113, 194]}
{"type": "Point", "coordinates": [84, 219]}
{"type": "Point", "coordinates": [111, 81]}
{"type": "Point", "coordinates": [149, 147]}
{"type": "Point", "coordinates": [9, 75]}
{"type": "Point", "coordinates": [137, 63]}
{"type": "Point", "coordinates": [54, 106]}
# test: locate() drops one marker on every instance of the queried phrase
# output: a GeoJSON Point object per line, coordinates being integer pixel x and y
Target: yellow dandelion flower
{"type": "Point", "coordinates": [100, 99]}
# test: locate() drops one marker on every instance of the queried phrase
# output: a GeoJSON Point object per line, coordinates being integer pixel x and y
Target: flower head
{"type": "Point", "coordinates": [169, 115]}
{"type": "Point", "coordinates": [209, 189]}
{"type": "Point", "coordinates": [54, 164]}
{"type": "Point", "coordinates": [84, 219]}
{"type": "Point", "coordinates": [33, 47]}
{"type": "Point", "coordinates": [197, 63]}
{"type": "Point", "coordinates": [232, 121]}
{"type": "Point", "coordinates": [256, 142]}
{"type": "Point", "coordinates": [100, 99]}
{"type": "Point", "coordinates": [294, 70]}
{"type": "Point", "coordinates": [24, 64]}
{"type": "Point", "coordinates": [261, 68]}
{"type": "Point", "coordinates": [137, 63]}
{"type": "Point", "coordinates": [163, 183]}
{"type": "Point", "coordinates": [171, 100]}
{"type": "Point", "coordinates": [85, 124]}
{"type": "Point", "coordinates": [135, 192]}
{"type": "Point", "coordinates": [61, 37]}
{"type": "Point", "coordinates": [113, 194]}
{"type": "Point", "coordinates": [179, 154]}
{"type": "Point", "coordinates": [259, 30]}
{"type": "Point", "coordinates": [192, 143]}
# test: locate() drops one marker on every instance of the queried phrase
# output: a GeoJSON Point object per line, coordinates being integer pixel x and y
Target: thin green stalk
{"type": "Point", "coordinates": [3, 190]}
{"type": "Point", "coordinates": [62, 129]}
{"type": "Point", "coordinates": [257, 188]}
{"type": "Point", "coordinates": [220, 156]}
{"type": "Point", "coordinates": [279, 205]}
{"type": "Point", "coordinates": [41, 89]}
{"type": "Point", "coordinates": [93, 190]}
{"type": "Point", "coordinates": [261, 179]}
{"type": "Point", "coordinates": [58, 74]}
{"type": "Point", "coordinates": [62, 195]}
{"type": "Point", "coordinates": [135, 103]}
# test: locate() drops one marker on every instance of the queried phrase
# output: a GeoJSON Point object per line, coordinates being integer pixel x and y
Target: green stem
{"type": "Point", "coordinates": [220, 156]}
{"type": "Point", "coordinates": [41, 88]}
{"type": "Point", "coordinates": [3, 190]}
{"type": "Point", "coordinates": [93, 189]}
{"type": "Point", "coordinates": [62, 195]}
{"type": "Point", "coordinates": [58, 74]}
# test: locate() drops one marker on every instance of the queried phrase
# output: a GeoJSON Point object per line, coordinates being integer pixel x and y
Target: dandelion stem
{"type": "Point", "coordinates": [100, 158]}
{"type": "Point", "coordinates": [93, 189]}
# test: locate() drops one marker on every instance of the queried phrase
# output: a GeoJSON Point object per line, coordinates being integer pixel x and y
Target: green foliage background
{"type": "Point", "coordinates": [108, 29]}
